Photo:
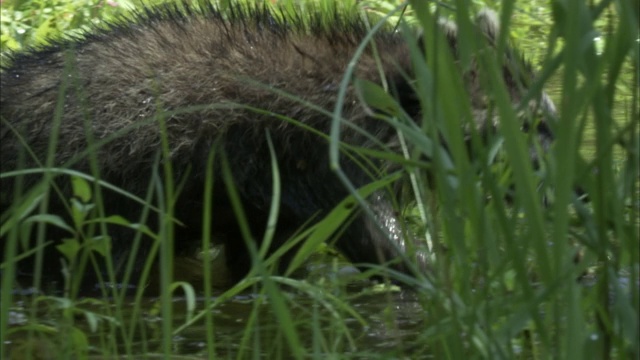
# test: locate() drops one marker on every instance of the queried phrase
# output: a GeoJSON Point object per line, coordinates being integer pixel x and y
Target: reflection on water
{"type": "Point", "coordinates": [386, 324]}
{"type": "Point", "coordinates": [393, 324]}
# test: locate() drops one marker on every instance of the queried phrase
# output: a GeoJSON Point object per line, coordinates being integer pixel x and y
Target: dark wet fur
{"type": "Point", "coordinates": [168, 60]}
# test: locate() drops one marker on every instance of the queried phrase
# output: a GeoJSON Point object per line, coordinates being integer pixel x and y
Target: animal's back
{"type": "Point", "coordinates": [131, 74]}
{"type": "Point", "coordinates": [208, 79]}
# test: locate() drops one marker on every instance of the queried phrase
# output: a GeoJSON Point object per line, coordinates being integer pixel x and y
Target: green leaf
{"type": "Point", "coordinates": [79, 211]}
{"type": "Point", "coordinates": [80, 342]}
{"type": "Point", "coordinates": [81, 188]}
{"type": "Point", "coordinates": [374, 96]}
{"type": "Point", "coordinates": [69, 248]}
{"type": "Point", "coordinates": [54, 220]}
{"type": "Point", "coordinates": [35, 327]}
{"type": "Point", "coordinates": [44, 30]}
{"type": "Point", "coordinates": [92, 320]}
{"type": "Point", "coordinates": [100, 244]}
{"type": "Point", "coordinates": [24, 208]}
{"type": "Point", "coordinates": [119, 220]}
{"type": "Point", "coordinates": [189, 296]}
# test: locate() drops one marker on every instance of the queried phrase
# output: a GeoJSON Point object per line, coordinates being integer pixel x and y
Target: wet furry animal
{"type": "Point", "coordinates": [204, 74]}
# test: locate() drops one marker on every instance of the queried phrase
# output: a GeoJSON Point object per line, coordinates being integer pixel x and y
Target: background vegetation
{"type": "Point", "coordinates": [505, 280]}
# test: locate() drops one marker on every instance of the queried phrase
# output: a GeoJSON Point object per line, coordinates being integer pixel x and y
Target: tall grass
{"type": "Point", "coordinates": [547, 274]}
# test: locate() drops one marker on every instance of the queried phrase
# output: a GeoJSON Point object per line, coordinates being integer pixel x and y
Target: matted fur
{"type": "Point", "coordinates": [192, 67]}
